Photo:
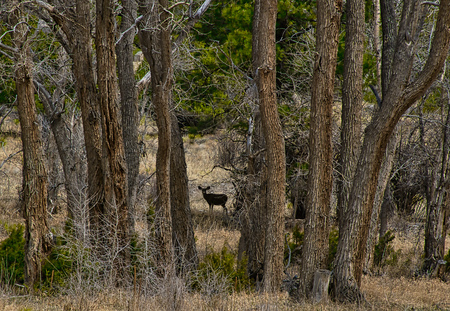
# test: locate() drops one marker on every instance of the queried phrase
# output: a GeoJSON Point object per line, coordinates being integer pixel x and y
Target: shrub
{"type": "Point", "coordinates": [333, 240]}
{"type": "Point", "coordinates": [294, 244]}
{"type": "Point", "coordinates": [447, 261]}
{"type": "Point", "coordinates": [220, 271]}
{"type": "Point", "coordinates": [12, 256]}
{"type": "Point", "coordinates": [384, 253]}
{"type": "Point", "coordinates": [58, 266]}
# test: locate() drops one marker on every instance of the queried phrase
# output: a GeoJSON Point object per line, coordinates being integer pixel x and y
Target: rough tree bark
{"type": "Point", "coordinates": [351, 102]}
{"type": "Point", "coordinates": [154, 35]}
{"type": "Point", "coordinates": [315, 245]}
{"type": "Point", "coordinates": [115, 218]}
{"type": "Point", "coordinates": [183, 238]}
{"type": "Point", "coordinates": [351, 124]}
{"type": "Point", "coordinates": [38, 238]}
{"type": "Point", "coordinates": [128, 102]}
{"type": "Point", "coordinates": [264, 66]}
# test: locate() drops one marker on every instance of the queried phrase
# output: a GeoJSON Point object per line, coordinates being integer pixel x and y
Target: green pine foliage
{"type": "Point", "coordinates": [12, 256]}
{"type": "Point", "coordinates": [293, 246]}
{"type": "Point", "coordinates": [384, 254]}
{"type": "Point", "coordinates": [223, 265]}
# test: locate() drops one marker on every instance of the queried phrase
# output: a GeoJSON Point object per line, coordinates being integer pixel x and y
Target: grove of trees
{"type": "Point", "coordinates": [268, 74]}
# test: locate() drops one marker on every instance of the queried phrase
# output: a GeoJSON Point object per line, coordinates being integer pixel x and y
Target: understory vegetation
{"type": "Point", "coordinates": [71, 279]}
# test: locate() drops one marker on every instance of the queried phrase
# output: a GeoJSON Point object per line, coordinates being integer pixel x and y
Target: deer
{"type": "Point", "coordinates": [214, 199]}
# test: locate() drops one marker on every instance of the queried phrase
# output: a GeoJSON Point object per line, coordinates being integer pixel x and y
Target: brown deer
{"type": "Point", "coordinates": [214, 199]}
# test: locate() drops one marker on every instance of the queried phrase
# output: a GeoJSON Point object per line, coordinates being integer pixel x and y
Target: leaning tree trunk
{"type": "Point", "coordinates": [382, 201]}
{"type": "Point", "coordinates": [316, 244]}
{"type": "Point", "coordinates": [389, 26]}
{"type": "Point", "coordinates": [264, 64]}
{"type": "Point", "coordinates": [38, 238]}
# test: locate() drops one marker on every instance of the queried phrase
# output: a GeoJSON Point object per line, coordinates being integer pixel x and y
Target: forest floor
{"type": "Point", "coordinates": [392, 287]}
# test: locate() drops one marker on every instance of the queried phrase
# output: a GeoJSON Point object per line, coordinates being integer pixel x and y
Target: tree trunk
{"type": "Point", "coordinates": [183, 238]}
{"type": "Point", "coordinates": [400, 95]}
{"type": "Point", "coordinates": [253, 214]}
{"type": "Point", "coordinates": [65, 129]}
{"type": "Point", "coordinates": [389, 38]}
{"type": "Point", "coordinates": [113, 153]}
{"type": "Point", "coordinates": [154, 36]}
{"type": "Point", "coordinates": [382, 201]}
{"type": "Point", "coordinates": [38, 238]}
{"type": "Point", "coordinates": [436, 183]}
{"type": "Point", "coordinates": [351, 102]}
{"type": "Point", "coordinates": [128, 102]}
{"type": "Point", "coordinates": [264, 66]}
{"type": "Point", "coordinates": [87, 96]}
{"type": "Point", "coordinates": [376, 38]}
{"type": "Point", "coordinates": [315, 245]}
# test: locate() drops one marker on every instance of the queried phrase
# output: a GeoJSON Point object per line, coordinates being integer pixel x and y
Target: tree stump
{"type": "Point", "coordinates": [320, 286]}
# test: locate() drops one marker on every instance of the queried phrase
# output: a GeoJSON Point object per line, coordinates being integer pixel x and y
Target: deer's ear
{"type": "Point", "coordinates": [207, 188]}
{"type": "Point", "coordinates": [200, 188]}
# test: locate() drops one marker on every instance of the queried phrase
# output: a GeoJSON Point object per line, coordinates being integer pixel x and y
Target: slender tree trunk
{"type": "Point", "coordinates": [113, 153]}
{"type": "Point", "coordinates": [65, 129]}
{"type": "Point", "coordinates": [154, 36]}
{"type": "Point", "coordinates": [376, 39]}
{"type": "Point", "coordinates": [351, 102]}
{"type": "Point", "coordinates": [389, 26]}
{"type": "Point", "coordinates": [128, 102]}
{"type": "Point", "coordinates": [316, 244]}
{"type": "Point", "coordinates": [264, 64]}
{"type": "Point", "coordinates": [437, 180]}
{"type": "Point", "coordinates": [351, 127]}
{"type": "Point", "coordinates": [254, 210]}
{"type": "Point", "coordinates": [383, 199]}
{"type": "Point", "coordinates": [389, 30]}
{"type": "Point", "coordinates": [38, 238]}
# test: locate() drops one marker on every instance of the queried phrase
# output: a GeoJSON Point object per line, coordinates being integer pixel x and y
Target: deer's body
{"type": "Point", "coordinates": [214, 199]}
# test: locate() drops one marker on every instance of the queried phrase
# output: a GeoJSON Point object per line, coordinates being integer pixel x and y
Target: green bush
{"type": "Point", "coordinates": [12, 256]}
{"type": "Point", "coordinates": [384, 253]}
{"type": "Point", "coordinates": [333, 240]}
{"type": "Point", "coordinates": [294, 244]}
{"type": "Point", "coordinates": [58, 266]}
{"type": "Point", "coordinates": [447, 261]}
{"type": "Point", "coordinates": [224, 265]}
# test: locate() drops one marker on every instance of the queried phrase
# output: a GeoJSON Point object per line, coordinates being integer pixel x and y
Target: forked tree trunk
{"type": "Point", "coordinates": [401, 94]}
{"type": "Point", "coordinates": [317, 222]}
{"type": "Point", "coordinates": [264, 66]}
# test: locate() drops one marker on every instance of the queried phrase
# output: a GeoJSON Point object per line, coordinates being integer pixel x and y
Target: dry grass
{"type": "Point", "coordinates": [393, 288]}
